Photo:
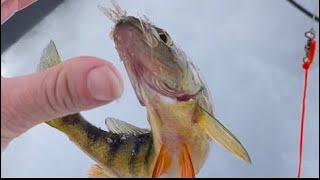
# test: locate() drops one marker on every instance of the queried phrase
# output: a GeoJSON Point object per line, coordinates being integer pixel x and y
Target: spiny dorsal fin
{"type": "Point", "coordinates": [118, 127]}
{"type": "Point", "coordinates": [49, 57]}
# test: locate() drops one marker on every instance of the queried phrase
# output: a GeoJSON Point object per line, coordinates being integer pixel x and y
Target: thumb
{"type": "Point", "coordinates": [75, 85]}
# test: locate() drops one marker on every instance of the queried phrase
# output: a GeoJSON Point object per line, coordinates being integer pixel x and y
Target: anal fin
{"type": "Point", "coordinates": [186, 166]}
{"type": "Point", "coordinates": [163, 162]}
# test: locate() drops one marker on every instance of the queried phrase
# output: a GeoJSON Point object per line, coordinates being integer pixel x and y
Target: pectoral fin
{"type": "Point", "coordinates": [186, 167]}
{"type": "Point", "coordinates": [219, 133]}
{"type": "Point", "coordinates": [163, 162]}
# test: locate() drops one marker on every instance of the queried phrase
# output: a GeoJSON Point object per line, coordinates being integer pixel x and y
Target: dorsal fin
{"type": "Point", "coordinates": [118, 127]}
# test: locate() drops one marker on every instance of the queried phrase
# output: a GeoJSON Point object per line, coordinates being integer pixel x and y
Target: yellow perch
{"type": "Point", "coordinates": [178, 103]}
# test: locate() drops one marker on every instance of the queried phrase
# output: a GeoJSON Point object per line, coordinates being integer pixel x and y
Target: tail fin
{"type": "Point", "coordinates": [49, 58]}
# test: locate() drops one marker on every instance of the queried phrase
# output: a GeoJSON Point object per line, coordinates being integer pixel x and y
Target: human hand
{"type": "Point", "coordinates": [77, 84]}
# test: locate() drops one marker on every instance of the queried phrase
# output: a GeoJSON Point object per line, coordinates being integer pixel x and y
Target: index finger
{"type": "Point", "coordinates": [10, 7]}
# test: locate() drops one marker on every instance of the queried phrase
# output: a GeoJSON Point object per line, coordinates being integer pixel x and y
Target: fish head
{"type": "Point", "coordinates": [152, 59]}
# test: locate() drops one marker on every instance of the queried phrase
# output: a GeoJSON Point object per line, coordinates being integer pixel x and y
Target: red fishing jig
{"type": "Point", "coordinates": [310, 49]}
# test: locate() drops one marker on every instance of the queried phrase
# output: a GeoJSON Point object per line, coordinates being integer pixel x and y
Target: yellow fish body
{"type": "Point", "coordinates": [178, 103]}
{"type": "Point", "coordinates": [123, 151]}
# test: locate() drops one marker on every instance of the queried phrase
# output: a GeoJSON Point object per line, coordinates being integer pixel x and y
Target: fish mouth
{"type": "Point", "coordinates": [133, 34]}
{"type": "Point", "coordinates": [135, 44]}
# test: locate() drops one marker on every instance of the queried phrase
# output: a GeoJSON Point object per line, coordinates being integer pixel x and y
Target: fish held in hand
{"type": "Point", "coordinates": [178, 103]}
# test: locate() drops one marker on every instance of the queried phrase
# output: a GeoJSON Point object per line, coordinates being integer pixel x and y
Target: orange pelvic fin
{"type": "Point", "coordinates": [186, 167]}
{"type": "Point", "coordinates": [163, 162]}
{"type": "Point", "coordinates": [96, 171]}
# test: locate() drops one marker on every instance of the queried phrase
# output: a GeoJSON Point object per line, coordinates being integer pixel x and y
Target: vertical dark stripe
{"type": "Point", "coordinates": [141, 140]}
{"type": "Point", "coordinates": [134, 153]}
{"type": "Point", "coordinates": [73, 119]}
{"type": "Point", "coordinates": [148, 155]}
{"type": "Point", "coordinates": [93, 133]}
{"type": "Point", "coordinates": [77, 121]}
{"type": "Point", "coordinates": [115, 145]}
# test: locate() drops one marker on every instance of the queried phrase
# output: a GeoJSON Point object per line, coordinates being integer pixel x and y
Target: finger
{"type": "Point", "coordinates": [24, 3]}
{"type": "Point", "coordinates": [2, 1]}
{"type": "Point", "coordinates": [79, 84]}
{"type": "Point", "coordinates": [8, 8]}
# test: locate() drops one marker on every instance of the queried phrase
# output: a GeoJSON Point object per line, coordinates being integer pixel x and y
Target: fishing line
{"type": "Point", "coordinates": [313, 17]}
{"type": "Point", "coordinates": [310, 49]}
{"type": "Point", "coordinates": [303, 10]}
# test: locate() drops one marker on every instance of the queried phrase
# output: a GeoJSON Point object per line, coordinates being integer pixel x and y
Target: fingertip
{"type": "Point", "coordinates": [116, 73]}
{"type": "Point", "coordinates": [104, 81]}
{"type": "Point", "coordinates": [103, 84]}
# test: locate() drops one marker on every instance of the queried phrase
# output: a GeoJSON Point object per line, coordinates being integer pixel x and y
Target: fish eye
{"type": "Point", "coordinates": [165, 38]}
